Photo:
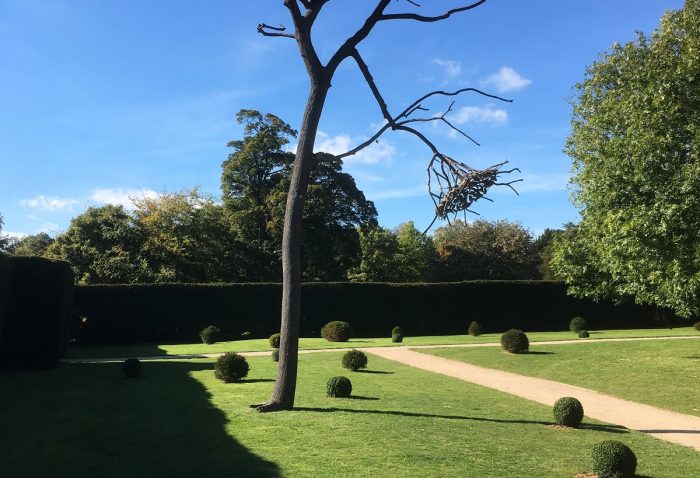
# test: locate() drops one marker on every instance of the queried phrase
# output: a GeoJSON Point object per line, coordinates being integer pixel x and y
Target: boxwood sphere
{"type": "Point", "coordinates": [568, 411]}
{"type": "Point", "coordinates": [475, 329]}
{"type": "Point", "coordinates": [354, 360]}
{"type": "Point", "coordinates": [276, 355]}
{"type": "Point", "coordinates": [397, 338]}
{"type": "Point", "coordinates": [231, 367]}
{"type": "Point", "coordinates": [339, 387]}
{"type": "Point", "coordinates": [515, 341]}
{"type": "Point", "coordinates": [275, 341]}
{"type": "Point", "coordinates": [578, 324]}
{"type": "Point", "coordinates": [336, 331]}
{"type": "Point", "coordinates": [583, 334]}
{"type": "Point", "coordinates": [396, 331]}
{"type": "Point", "coordinates": [613, 459]}
{"type": "Point", "coordinates": [131, 367]}
{"type": "Point", "coordinates": [210, 334]}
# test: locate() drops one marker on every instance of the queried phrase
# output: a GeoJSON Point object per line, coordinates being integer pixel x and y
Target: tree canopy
{"type": "Point", "coordinates": [635, 146]}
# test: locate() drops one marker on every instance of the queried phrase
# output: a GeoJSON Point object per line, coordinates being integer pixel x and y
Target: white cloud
{"type": "Point", "coordinates": [480, 114]}
{"type": "Point", "coordinates": [375, 153]}
{"type": "Point", "coordinates": [507, 79]}
{"type": "Point", "coordinates": [14, 235]}
{"type": "Point", "coordinates": [451, 69]}
{"type": "Point", "coordinates": [123, 197]}
{"type": "Point", "coordinates": [50, 203]}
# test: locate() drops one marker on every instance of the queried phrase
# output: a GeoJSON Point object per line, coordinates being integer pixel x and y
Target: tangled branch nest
{"type": "Point", "coordinates": [454, 186]}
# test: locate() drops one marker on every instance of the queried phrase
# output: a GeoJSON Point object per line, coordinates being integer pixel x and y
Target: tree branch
{"type": "Point", "coordinates": [270, 31]}
{"type": "Point", "coordinates": [423, 18]}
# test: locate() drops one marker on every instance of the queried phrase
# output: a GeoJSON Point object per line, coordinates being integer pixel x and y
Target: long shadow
{"type": "Point", "coordinates": [690, 432]}
{"type": "Point", "coordinates": [536, 352]}
{"type": "Point", "coordinates": [86, 420]}
{"type": "Point", "coordinates": [603, 428]}
{"type": "Point", "coordinates": [381, 372]}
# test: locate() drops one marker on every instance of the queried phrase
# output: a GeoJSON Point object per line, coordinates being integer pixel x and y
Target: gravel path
{"type": "Point", "coordinates": [662, 424]}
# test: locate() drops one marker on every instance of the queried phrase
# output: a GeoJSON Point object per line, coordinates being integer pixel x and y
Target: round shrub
{"type": "Point", "coordinates": [276, 355]}
{"type": "Point", "coordinates": [354, 360]}
{"type": "Point", "coordinates": [231, 367]}
{"type": "Point", "coordinates": [210, 334]}
{"type": "Point", "coordinates": [475, 329]}
{"type": "Point", "coordinates": [397, 331]}
{"type": "Point", "coordinates": [336, 331]}
{"type": "Point", "coordinates": [612, 459]}
{"type": "Point", "coordinates": [397, 338]}
{"type": "Point", "coordinates": [583, 334]}
{"type": "Point", "coordinates": [568, 412]}
{"type": "Point", "coordinates": [131, 367]}
{"type": "Point", "coordinates": [697, 326]}
{"type": "Point", "coordinates": [515, 341]}
{"type": "Point", "coordinates": [339, 387]}
{"type": "Point", "coordinates": [578, 324]}
{"type": "Point", "coordinates": [275, 341]}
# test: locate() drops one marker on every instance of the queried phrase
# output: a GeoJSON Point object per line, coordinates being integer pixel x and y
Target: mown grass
{"type": "Point", "coordinates": [663, 373]}
{"type": "Point", "coordinates": [177, 420]}
{"type": "Point", "coordinates": [255, 345]}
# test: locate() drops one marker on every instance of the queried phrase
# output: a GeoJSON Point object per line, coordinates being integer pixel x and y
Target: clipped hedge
{"type": "Point", "coordinates": [37, 316]}
{"type": "Point", "coordinates": [177, 312]}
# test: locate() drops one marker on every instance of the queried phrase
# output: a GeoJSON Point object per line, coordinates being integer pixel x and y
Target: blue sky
{"type": "Point", "coordinates": [102, 101]}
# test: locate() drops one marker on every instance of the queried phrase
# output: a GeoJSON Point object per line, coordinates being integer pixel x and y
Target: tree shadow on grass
{"type": "Point", "coordinates": [585, 426]}
{"type": "Point", "coordinates": [538, 352]}
{"type": "Point", "coordinates": [381, 372]}
{"type": "Point", "coordinates": [86, 420]}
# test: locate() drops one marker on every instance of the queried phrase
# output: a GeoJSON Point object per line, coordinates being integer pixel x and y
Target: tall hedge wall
{"type": "Point", "coordinates": [177, 312]}
{"type": "Point", "coordinates": [38, 312]}
{"type": "Point", "coordinates": [5, 272]}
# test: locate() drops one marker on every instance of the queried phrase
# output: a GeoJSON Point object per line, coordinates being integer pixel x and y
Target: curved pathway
{"type": "Point", "coordinates": [662, 424]}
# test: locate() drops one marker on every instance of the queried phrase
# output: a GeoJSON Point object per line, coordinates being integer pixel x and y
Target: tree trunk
{"type": "Point", "coordinates": [283, 394]}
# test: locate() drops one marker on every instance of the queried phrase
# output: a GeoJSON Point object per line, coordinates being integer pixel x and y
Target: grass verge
{"type": "Point", "coordinates": [256, 345]}
{"type": "Point", "coordinates": [663, 373]}
{"type": "Point", "coordinates": [177, 420]}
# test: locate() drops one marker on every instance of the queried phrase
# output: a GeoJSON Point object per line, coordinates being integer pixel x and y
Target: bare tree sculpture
{"type": "Point", "coordinates": [456, 185]}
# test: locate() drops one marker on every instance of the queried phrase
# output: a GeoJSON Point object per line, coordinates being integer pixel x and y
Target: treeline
{"type": "Point", "coordinates": [189, 237]}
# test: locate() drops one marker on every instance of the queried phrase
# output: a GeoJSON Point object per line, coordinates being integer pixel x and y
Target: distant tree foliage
{"type": "Point", "coordinates": [32, 245]}
{"type": "Point", "coordinates": [485, 250]}
{"type": "Point", "coordinates": [3, 239]}
{"type": "Point", "coordinates": [635, 145]}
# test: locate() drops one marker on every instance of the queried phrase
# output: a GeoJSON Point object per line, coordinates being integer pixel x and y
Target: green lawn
{"type": "Point", "coordinates": [254, 345]}
{"type": "Point", "coordinates": [664, 373]}
{"type": "Point", "coordinates": [176, 420]}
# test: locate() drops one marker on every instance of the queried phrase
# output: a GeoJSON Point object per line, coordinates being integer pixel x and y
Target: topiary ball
{"type": "Point", "coordinates": [231, 367]}
{"type": "Point", "coordinates": [336, 331]}
{"type": "Point", "coordinates": [210, 334]}
{"type": "Point", "coordinates": [275, 341]}
{"type": "Point", "coordinates": [354, 360]}
{"type": "Point", "coordinates": [696, 326]}
{"type": "Point", "coordinates": [515, 341]}
{"type": "Point", "coordinates": [475, 329]}
{"type": "Point", "coordinates": [276, 355]}
{"type": "Point", "coordinates": [397, 331]}
{"type": "Point", "coordinates": [578, 324]}
{"type": "Point", "coordinates": [613, 459]}
{"type": "Point", "coordinates": [583, 334]}
{"type": "Point", "coordinates": [397, 338]}
{"type": "Point", "coordinates": [568, 411]}
{"type": "Point", "coordinates": [131, 367]}
{"type": "Point", "coordinates": [339, 387]}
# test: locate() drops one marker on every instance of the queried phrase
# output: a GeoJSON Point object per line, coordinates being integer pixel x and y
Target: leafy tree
{"type": "Point", "coordinates": [4, 241]}
{"type": "Point", "coordinates": [543, 245]}
{"type": "Point", "coordinates": [103, 245]}
{"type": "Point", "coordinates": [187, 239]}
{"type": "Point", "coordinates": [635, 145]}
{"type": "Point", "coordinates": [249, 176]}
{"type": "Point", "coordinates": [403, 255]}
{"type": "Point", "coordinates": [485, 250]}
{"type": "Point", "coordinates": [32, 245]}
{"type": "Point", "coordinates": [334, 211]}
{"type": "Point", "coordinates": [380, 254]}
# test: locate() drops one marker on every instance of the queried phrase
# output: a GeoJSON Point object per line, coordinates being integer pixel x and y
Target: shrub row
{"type": "Point", "coordinates": [178, 312]}
{"type": "Point", "coordinates": [36, 296]}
